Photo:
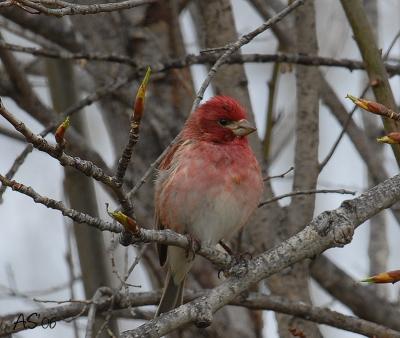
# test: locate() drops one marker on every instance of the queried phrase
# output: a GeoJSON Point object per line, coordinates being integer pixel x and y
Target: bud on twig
{"type": "Point", "coordinates": [60, 132]}
{"type": "Point", "coordinates": [138, 107]}
{"type": "Point", "coordinates": [128, 222]}
{"type": "Point", "coordinates": [375, 107]}
{"type": "Point", "coordinates": [391, 138]}
{"type": "Point", "coordinates": [384, 277]}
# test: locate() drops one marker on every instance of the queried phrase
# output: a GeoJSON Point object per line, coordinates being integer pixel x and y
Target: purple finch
{"type": "Point", "coordinates": [207, 186]}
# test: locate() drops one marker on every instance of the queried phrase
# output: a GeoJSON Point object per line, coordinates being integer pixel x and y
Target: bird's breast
{"type": "Point", "coordinates": [210, 192]}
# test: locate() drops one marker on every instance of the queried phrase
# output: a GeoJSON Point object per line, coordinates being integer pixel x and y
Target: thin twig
{"type": "Point", "coordinates": [68, 8]}
{"type": "Point", "coordinates": [107, 320]}
{"type": "Point", "coordinates": [10, 292]}
{"type": "Point", "coordinates": [100, 292]}
{"type": "Point", "coordinates": [11, 134]}
{"type": "Point", "coordinates": [308, 192]}
{"type": "Point", "coordinates": [100, 93]}
{"type": "Point", "coordinates": [91, 319]}
{"type": "Point", "coordinates": [131, 268]}
{"type": "Point", "coordinates": [27, 34]}
{"type": "Point", "coordinates": [86, 167]}
{"type": "Point", "coordinates": [71, 273]}
{"type": "Point", "coordinates": [77, 301]}
{"type": "Point", "coordinates": [136, 118]}
{"type": "Point", "coordinates": [112, 258]}
{"type": "Point", "coordinates": [344, 129]}
{"type": "Point", "coordinates": [279, 176]}
{"type": "Point", "coordinates": [127, 153]}
{"type": "Point", "coordinates": [18, 161]}
{"type": "Point", "coordinates": [270, 120]}
{"type": "Point", "coordinates": [377, 74]}
{"type": "Point", "coordinates": [15, 166]}
{"type": "Point", "coordinates": [75, 215]}
{"type": "Point", "coordinates": [346, 124]}
{"type": "Point", "coordinates": [233, 47]}
{"type": "Point", "coordinates": [192, 59]}
{"type": "Point", "coordinates": [26, 98]}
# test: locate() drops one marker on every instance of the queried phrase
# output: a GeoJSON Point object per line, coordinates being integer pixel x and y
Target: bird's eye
{"type": "Point", "coordinates": [223, 122]}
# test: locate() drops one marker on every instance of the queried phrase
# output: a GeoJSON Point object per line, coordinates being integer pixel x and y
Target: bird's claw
{"type": "Point", "coordinates": [226, 247]}
{"type": "Point", "coordinates": [244, 257]}
{"type": "Point", "coordinates": [241, 258]}
{"type": "Point", "coordinates": [194, 246]}
{"type": "Point", "coordinates": [239, 265]}
{"type": "Point", "coordinates": [224, 272]}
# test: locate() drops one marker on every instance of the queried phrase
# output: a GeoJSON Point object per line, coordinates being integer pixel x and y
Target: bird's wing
{"type": "Point", "coordinates": [163, 169]}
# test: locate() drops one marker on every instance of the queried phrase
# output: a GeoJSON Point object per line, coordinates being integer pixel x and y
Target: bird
{"type": "Point", "coordinates": [207, 186]}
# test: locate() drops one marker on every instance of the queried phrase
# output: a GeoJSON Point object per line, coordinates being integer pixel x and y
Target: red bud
{"type": "Point", "coordinates": [60, 132]}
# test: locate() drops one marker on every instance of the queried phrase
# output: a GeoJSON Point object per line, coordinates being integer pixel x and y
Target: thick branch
{"type": "Point", "coordinates": [253, 301]}
{"type": "Point", "coordinates": [329, 229]}
{"type": "Point", "coordinates": [362, 300]}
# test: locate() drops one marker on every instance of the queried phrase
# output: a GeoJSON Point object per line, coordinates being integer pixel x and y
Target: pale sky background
{"type": "Point", "coordinates": [33, 238]}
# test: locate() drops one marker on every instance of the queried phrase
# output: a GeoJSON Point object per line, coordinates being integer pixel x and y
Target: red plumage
{"type": "Point", "coordinates": [207, 186]}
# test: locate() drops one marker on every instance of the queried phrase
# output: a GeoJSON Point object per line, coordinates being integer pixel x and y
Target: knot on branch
{"type": "Point", "coordinates": [239, 266]}
{"type": "Point", "coordinates": [335, 224]}
{"type": "Point", "coordinates": [202, 313]}
{"type": "Point", "coordinates": [126, 238]}
{"type": "Point", "coordinates": [101, 292]}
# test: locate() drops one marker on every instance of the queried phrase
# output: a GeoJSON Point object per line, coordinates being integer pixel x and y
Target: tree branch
{"type": "Point", "coordinates": [362, 300]}
{"type": "Point", "coordinates": [329, 229]}
{"type": "Point", "coordinates": [252, 301]}
{"type": "Point", "coordinates": [202, 58]}
{"type": "Point", "coordinates": [167, 237]}
{"type": "Point", "coordinates": [68, 8]}
{"type": "Point", "coordinates": [371, 55]}
{"type": "Point", "coordinates": [86, 167]}
{"type": "Point", "coordinates": [77, 216]}
{"type": "Point", "coordinates": [307, 192]}
{"type": "Point", "coordinates": [14, 168]}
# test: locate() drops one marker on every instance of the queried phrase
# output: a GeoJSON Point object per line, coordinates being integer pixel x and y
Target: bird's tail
{"type": "Point", "coordinates": [172, 296]}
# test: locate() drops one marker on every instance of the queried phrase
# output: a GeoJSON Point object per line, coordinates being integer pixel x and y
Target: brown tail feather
{"type": "Point", "coordinates": [172, 296]}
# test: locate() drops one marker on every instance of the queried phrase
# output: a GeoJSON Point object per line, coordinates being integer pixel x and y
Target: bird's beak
{"type": "Point", "coordinates": [242, 128]}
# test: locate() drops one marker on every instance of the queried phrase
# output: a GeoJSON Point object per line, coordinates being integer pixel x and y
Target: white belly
{"type": "Point", "coordinates": [220, 216]}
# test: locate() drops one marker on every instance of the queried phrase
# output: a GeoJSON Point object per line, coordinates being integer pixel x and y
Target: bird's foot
{"type": "Point", "coordinates": [237, 257]}
{"type": "Point", "coordinates": [194, 246]}
{"type": "Point", "coordinates": [238, 266]}
{"type": "Point", "coordinates": [243, 257]}
{"type": "Point", "coordinates": [226, 247]}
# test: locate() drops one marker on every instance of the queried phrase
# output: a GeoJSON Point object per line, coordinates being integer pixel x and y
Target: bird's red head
{"type": "Point", "coordinates": [221, 120]}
